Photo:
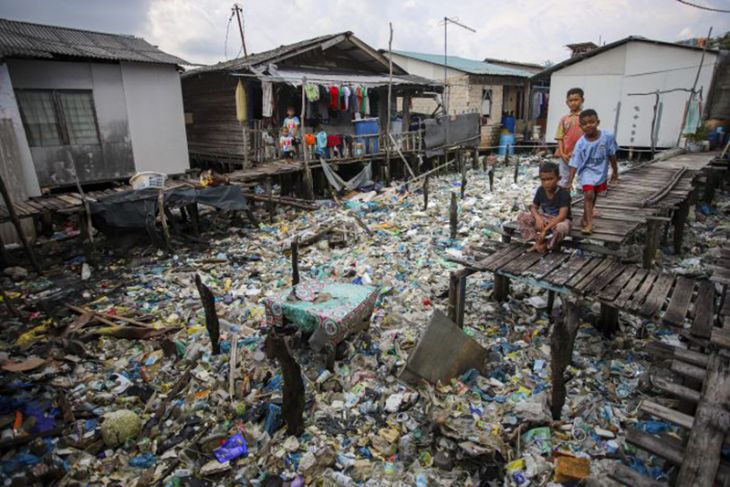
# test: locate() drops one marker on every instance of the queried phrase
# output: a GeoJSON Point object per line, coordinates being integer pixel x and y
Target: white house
{"type": "Point", "coordinates": [91, 105]}
{"type": "Point", "coordinates": [620, 80]}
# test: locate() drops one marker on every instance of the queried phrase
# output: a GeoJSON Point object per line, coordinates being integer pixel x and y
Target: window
{"type": "Point", "coordinates": [58, 117]}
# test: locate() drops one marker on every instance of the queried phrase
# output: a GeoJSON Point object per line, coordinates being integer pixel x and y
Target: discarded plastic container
{"type": "Point", "coordinates": [367, 126]}
{"type": "Point", "coordinates": [148, 179]}
{"type": "Point", "coordinates": [506, 144]}
{"type": "Point", "coordinates": [234, 447]}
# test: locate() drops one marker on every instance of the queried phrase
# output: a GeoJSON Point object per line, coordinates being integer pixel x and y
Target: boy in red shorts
{"type": "Point", "coordinates": [590, 161]}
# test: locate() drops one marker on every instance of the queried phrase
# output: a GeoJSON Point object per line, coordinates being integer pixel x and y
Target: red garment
{"type": "Point", "coordinates": [334, 97]}
{"type": "Point", "coordinates": [334, 140]}
{"type": "Point", "coordinates": [598, 189]}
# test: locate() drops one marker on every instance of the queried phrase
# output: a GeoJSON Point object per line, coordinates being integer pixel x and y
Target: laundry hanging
{"type": "Point", "coordinates": [267, 99]}
{"type": "Point", "coordinates": [241, 102]}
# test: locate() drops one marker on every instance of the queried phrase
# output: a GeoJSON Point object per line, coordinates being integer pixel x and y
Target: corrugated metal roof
{"type": "Point", "coordinates": [24, 39]}
{"type": "Point", "coordinates": [471, 66]}
{"type": "Point", "coordinates": [295, 77]}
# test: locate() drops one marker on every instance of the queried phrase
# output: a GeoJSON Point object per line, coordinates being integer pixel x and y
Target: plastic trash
{"type": "Point", "coordinates": [234, 447]}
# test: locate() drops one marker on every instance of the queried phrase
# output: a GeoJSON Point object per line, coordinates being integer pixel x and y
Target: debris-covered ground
{"type": "Point", "coordinates": [109, 377]}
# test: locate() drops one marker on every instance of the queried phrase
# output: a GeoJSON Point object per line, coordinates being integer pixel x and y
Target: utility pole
{"type": "Point", "coordinates": [239, 12]}
{"type": "Point", "coordinates": [444, 97]}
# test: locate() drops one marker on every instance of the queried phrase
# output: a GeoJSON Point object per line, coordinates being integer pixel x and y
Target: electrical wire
{"type": "Point", "coordinates": [702, 7]}
{"type": "Point", "coordinates": [225, 43]}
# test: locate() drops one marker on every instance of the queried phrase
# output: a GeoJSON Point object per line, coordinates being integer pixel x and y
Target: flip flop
{"type": "Point", "coordinates": [587, 230]}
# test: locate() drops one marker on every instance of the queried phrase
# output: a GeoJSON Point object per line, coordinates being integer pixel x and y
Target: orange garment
{"type": "Point", "coordinates": [309, 139]}
{"type": "Point", "coordinates": [570, 132]}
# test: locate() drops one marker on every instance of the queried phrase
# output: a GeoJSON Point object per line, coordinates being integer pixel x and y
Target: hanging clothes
{"type": "Point", "coordinates": [694, 113]}
{"type": "Point", "coordinates": [267, 99]}
{"type": "Point", "coordinates": [334, 97]}
{"type": "Point", "coordinates": [346, 97]}
{"type": "Point", "coordinates": [365, 109]}
{"type": "Point", "coordinates": [312, 92]}
{"type": "Point", "coordinates": [241, 102]}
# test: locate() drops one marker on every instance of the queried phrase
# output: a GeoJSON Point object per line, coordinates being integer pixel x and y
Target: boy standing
{"type": "Point", "coordinates": [291, 122]}
{"type": "Point", "coordinates": [285, 144]}
{"type": "Point", "coordinates": [569, 132]}
{"type": "Point", "coordinates": [549, 212]}
{"type": "Point", "coordinates": [590, 161]}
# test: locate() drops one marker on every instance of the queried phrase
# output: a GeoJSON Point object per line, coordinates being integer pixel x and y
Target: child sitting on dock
{"type": "Point", "coordinates": [286, 144]}
{"type": "Point", "coordinates": [590, 161]}
{"type": "Point", "coordinates": [569, 132]}
{"type": "Point", "coordinates": [549, 212]}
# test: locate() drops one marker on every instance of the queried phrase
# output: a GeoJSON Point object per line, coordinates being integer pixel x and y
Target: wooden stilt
{"type": "Point", "coordinates": [491, 179]}
{"type": "Point", "coordinates": [163, 218]}
{"type": "Point", "coordinates": [517, 170]}
{"type": "Point", "coordinates": [457, 296]}
{"type": "Point", "coordinates": [453, 295]}
{"type": "Point", "coordinates": [5, 260]}
{"type": "Point", "coordinates": [561, 351]}
{"type": "Point", "coordinates": [18, 227]}
{"type": "Point", "coordinates": [192, 210]}
{"type": "Point", "coordinates": [461, 300]}
{"type": "Point", "coordinates": [679, 221]}
{"type": "Point", "coordinates": [453, 216]}
{"type": "Point", "coordinates": [650, 246]}
{"type": "Point", "coordinates": [501, 288]}
{"type": "Point", "coordinates": [211, 317]}
{"type": "Point", "coordinates": [550, 302]}
{"type": "Point", "coordinates": [270, 202]}
{"type": "Point", "coordinates": [506, 156]}
{"type": "Point", "coordinates": [608, 321]}
{"type": "Point", "coordinates": [463, 177]}
{"type": "Point", "coordinates": [425, 193]}
{"type": "Point", "coordinates": [295, 262]}
{"type": "Point", "coordinates": [46, 219]}
{"type": "Point", "coordinates": [308, 182]}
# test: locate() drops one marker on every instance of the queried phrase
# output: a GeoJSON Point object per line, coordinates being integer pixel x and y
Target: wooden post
{"type": "Point", "coordinates": [463, 176]}
{"type": "Point", "coordinates": [561, 351]}
{"type": "Point", "coordinates": [550, 302]}
{"type": "Point", "coordinates": [192, 210]}
{"type": "Point", "coordinates": [679, 221]}
{"type": "Point", "coordinates": [710, 426]}
{"type": "Point", "coordinates": [461, 300]}
{"type": "Point", "coordinates": [608, 322]}
{"type": "Point", "coordinates": [506, 156]}
{"type": "Point", "coordinates": [308, 182]}
{"type": "Point", "coordinates": [301, 120]}
{"type": "Point", "coordinates": [18, 227]}
{"type": "Point", "coordinates": [457, 296]}
{"type": "Point", "coordinates": [501, 288]}
{"type": "Point", "coordinates": [491, 179]}
{"type": "Point", "coordinates": [4, 255]}
{"type": "Point", "coordinates": [425, 193]}
{"type": "Point", "coordinates": [475, 165]}
{"type": "Point", "coordinates": [453, 295]}
{"type": "Point", "coordinates": [517, 169]}
{"type": "Point", "coordinates": [163, 218]}
{"type": "Point", "coordinates": [270, 202]}
{"type": "Point", "coordinates": [453, 216]}
{"type": "Point", "coordinates": [295, 262]}
{"type": "Point", "coordinates": [211, 318]}
{"type": "Point", "coordinates": [650, 246]}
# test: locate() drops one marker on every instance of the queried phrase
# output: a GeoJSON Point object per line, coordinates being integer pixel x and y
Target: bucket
{"type": "Point", "coordinates": [506, 141]}
{"type": "Point", "coordinates": [367, 126]}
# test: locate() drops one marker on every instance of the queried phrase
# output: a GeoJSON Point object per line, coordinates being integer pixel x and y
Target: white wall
{"type": "Point", "coordinates": [424, 69]}
{"type": "Point", "coordinates": [9, 109]}
{"type": "Point", "coordinates": [156, 117]}
{"type": "Point", "coordinates": [635, 67]}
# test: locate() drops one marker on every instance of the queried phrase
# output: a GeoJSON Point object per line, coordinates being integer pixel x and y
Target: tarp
{"type": "Point", "coordinates": [463, 129]}
{"type": "Point", "coordinates": [138, 209]}
{"type": "Point", "coordinates": [361, 179]}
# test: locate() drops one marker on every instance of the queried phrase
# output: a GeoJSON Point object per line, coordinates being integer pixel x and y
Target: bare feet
{"type": "Point", "coordinates": [587, 229]}
{"type": "Point", "coordinates": [541, 247]}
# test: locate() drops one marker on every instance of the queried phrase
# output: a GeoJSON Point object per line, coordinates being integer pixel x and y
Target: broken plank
{"type": "Point", "coordinates": [709, 427]}
{"type": "Point", "coordinates": [704, 310]}
{"type": "Point", "coordinates": [679, 302]}
{"type": "Point", "coordinates": [676, 390]}
{"type": "Point", "coordinates": [667, 414]}
{"type": "Point", "coordinates": [655, 300]}
{"type": "Point", "coordinates": [687, 370]}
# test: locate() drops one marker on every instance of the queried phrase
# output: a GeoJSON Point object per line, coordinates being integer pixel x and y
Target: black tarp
{"type": "Point", "coordinates": [138, 209]}
{"type": "Point", "coordinates": [463, 130]}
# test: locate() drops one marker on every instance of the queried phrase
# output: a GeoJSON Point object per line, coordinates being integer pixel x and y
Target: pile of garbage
{"type": "Point", "coordinates": [113, 379]}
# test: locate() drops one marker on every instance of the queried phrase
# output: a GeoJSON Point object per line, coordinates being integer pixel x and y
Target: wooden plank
{"type": "Point", "coordinates": [624, 296]}
{"type": "Point", "coordinates": [497, 254]}
{"type": "Point", "coordinates": [667, 414]}
{"type": "Point", "coordinates": [560, 275]}
{"type": "Point", "coordinates": [669, 352]}
{"type": "Point", "coordinates": [710, 426]}
{"type": "Point", "coordinates": [610, 292]}
{"type": "Point", "coordinates": [687, 370]}
{"type": "Point", "coordinates": [704, 310]}
{"type": "Point", "coordinates": [548, 263]}
{"type": "Point", "coordinates": [605, 279]}
{"type": "Point", "coordinates": [721, 336]}
{"type": "Point", "coordinates": [640, 294]}
{"type": "Point", "coordinates": [515, 252]}
{"type": "Point", "coordinates": [679, 302]}
{"type": "Point", "coordinates": [676, 390]}
{"type": "Point", "coordinates": [517, 266]}
{"type": "Point", "coordinates": [631, 478]}
{"type": "Point", "coordinates": [669, 451]}
{"type": "Point", "coordinates": [657, 296]}
{"type": "Point", "coordinates": [585, 271]}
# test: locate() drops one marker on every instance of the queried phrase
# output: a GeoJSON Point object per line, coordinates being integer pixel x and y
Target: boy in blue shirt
{"type": "Point", "coordinates": [590, 161]}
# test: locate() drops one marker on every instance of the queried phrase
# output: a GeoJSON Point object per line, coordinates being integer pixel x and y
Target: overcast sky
{"type": "Point", "coordinates": [522, 30]}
